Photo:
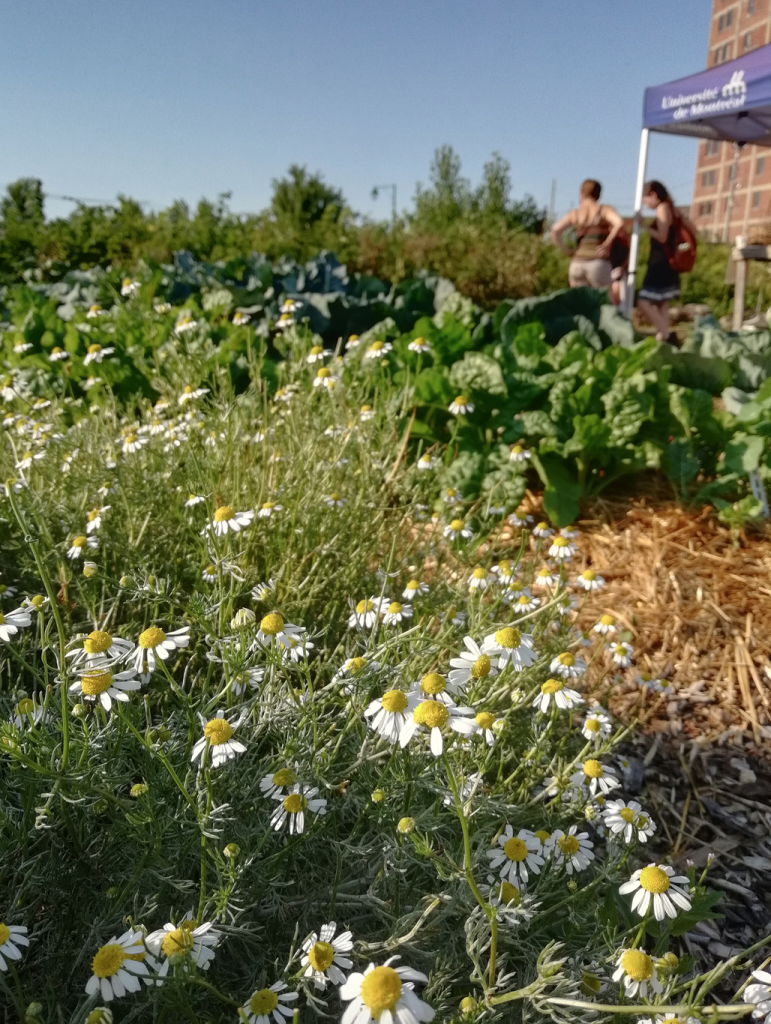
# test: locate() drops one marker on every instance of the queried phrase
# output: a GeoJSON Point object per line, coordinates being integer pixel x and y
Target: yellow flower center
{"type": "Point", "coordinates": [479, 574]}
{"type": "Point", "coordinates": [542, 834]}
{"type": "Point", "coordinates": [627, 815]}
{"type": "Point", "coordinates": [354, 665]}
{"type": "Point", "coordinates": [569, 845]}
{"type": "Point", "coordinates": [481, 667]}
{"type": "Point", "coordinates": [2, 618]}
{"type": "Point", "coordinates": [505, 568]}
{"type": "Point", "coordinates": [589, 575]}
{"type": "Point", "coordinates": [510, 894]}
{"type": "Point", "coordinates": [268, 504]}
{"type": "Point", "coordinates": [37, 601]}
{"type": "Point", "coordinates": [515, 849]}
{"type": "Point", "coordinates": [284, 777]}
{"type": "Point", "coordinates": [542, 526]}
{"type": "Point", "coordinates": [211, 570]}
{"type": "Point", "coordinates": [561, 542]}
{"type": "Point", "coordinates": [188, 388]}
{"type": "Point", "coordinates": [320, 956]}
{"type": "Point", "coordinates": [517, 449]}
{"type": "Point", "coordinates": [79, 542]}
{"type": "Point", "coordinates": [508, 637]}
{"type": "Point", "coordinates": [593, 725]}
{"type": "Point", "coordinates": [25, 707]}
{"type": "Point", "coordinates": [641, 822]}
{"type": "Point", "coordinates": [263, 1002]}
{"type": "Point", "coordinates": [5, 933]}
{"type": "Point", "coordinates": [223, 513]}
{"type": "Point", "coordinates": [93, 514]}
{"type": "Point", "coordinates": [432, 684]}
{"type": "Point", "coordinates": [567, 659]}
{"type": "Point", "coordinates": [294, 803]}
{"type": "Point", "coordinates": [637, 965]}
{"type": "Point", "coordinates": [151, 638]}
{"type": "Point", "coordinates": [317, 350]}
{"type": "Point", "coordinates": [323, 373]}
{"type": "Point", "coordinates": [93, 349]}
{"type": "Point", "coordinates": [394, 607]}
{"type": "Point", "coordinates": [620, 650]}
{"type": "Point", "coordinates": [431, 714]}
{"type": "Point", "coordinates": [552, 686]}
{"type": "Point", "coordinates": [93, 683]}
{"type": "Point", "coordinates": [271, 624]}
{"type": "Point", "coordinates": [130, 438]}
{"type": "Point", "coordinates": [97, 642]}
{"type": "Point", "coordinates": [654, 879]}
{"type": "Point", "coordinates": [108, 960]}
{"type": "Point", "coordinates": [362, 606]}
{"type": "Point", "coordinates": [217, 731]}
{"type": "Point", "coordinates": [394, 701]}
{"type": "Point", "coordinates": [366, 408]}
{"type": "Point", "coordinates": [485, 720]}
{"type": "Point", "coordinates": [461, 400]}
{"type": "Point", "coordinates": [593, 769]}
{"type": "Point", "coordinates": [380, 990]}
{"type": "Point", "coordinates": [451, 492]}
{"type": "Point", "coordinates": [180, 940]}
{"type": "Point", "coordinates": [457, 525]}
{"type": "Point", "coordinates": [376, 346]}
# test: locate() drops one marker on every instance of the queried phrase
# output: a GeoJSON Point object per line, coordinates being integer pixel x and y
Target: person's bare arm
{"type": "Point", "coordinates": [560, 228]}
{"type": "Point", "coordinates": [659, 229]}
{"type": "Point", "coordinates": [616, 224]}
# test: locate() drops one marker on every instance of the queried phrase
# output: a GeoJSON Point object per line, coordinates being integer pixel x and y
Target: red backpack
{"type": "Point", "coordinates": [681, 246]}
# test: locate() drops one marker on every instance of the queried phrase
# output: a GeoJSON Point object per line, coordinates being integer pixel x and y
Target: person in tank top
{"type": "Point", "coordinates": [596, 226]}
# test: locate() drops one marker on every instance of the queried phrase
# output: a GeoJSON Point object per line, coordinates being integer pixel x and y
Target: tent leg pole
{"type": "Point", "coordinates": [634, 246]}
{"type": "Point", "coordinates": [740, 288]}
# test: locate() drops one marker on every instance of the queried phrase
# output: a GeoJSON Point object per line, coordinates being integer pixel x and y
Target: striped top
{"type": "Point", "coordinates": [590, 236]}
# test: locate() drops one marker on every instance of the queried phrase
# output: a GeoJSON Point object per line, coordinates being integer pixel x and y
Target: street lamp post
{"type": "Point", "coordinates": [376, 192]}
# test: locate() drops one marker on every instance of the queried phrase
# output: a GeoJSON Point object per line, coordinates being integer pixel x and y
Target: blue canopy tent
{"type": "Point", "coordinates": [730, 103]}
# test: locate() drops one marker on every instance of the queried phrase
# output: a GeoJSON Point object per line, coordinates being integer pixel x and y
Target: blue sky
{"type": "Point", "coordinates": [163, 99]}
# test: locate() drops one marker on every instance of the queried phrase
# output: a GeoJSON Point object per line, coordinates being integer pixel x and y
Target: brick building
{"type": "Point", "coordinates": [737, 26]}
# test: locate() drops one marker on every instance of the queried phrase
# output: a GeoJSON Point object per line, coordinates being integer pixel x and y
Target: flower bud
{"type": "Point", "coordinates": [468, 1006]}
{"type": "Point", "coordinates": [101, 1015]}
{"type": "Point", "coordinates": [405, 826]}
{"type": "Point", "coordinates": [90, 569]}
{"type": "Point", "coordinates": [33, 1011]}
{"type": "Point", "coordinates": [232, 850]}
{"type": "Point", "coordinates": [572, 886]}
{"type": "Point", "coordinates": [139, 789]}
{"type": "Point", "coordinates": [79, 711]}
{"type": "Point", "coordinates": [669, 961]}
{"type": "Point", "coordinates": [243, 619]}
{"type": "Point", "coordinates": [113, 892]}
{"type": "Point", "coordinates": [125, 581]}
{"type": "Point", "coordinates": [378, 796]}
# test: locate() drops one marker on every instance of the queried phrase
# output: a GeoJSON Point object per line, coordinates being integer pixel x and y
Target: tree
{"type": "Point", "coordinates": [448, 197]}
{"type": "Point", "coordinates": [301, 200]}
{"type": "Point", "coordinates": [22, 222]}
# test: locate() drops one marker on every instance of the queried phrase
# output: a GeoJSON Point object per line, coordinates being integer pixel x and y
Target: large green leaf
{"type": "Point", "coordinates": [562, 492]}
{"type": "Point", "coordinates": [590, 436]}
{"type": "Point", "coordinates": [743, 453]}
{"type": "Point", "coordinates": [679, 463]}
{"type": "Point", "coordinates": [477, 372]}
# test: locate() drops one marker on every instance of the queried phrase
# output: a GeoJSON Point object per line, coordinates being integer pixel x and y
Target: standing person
{"type": "Point", "coordinates": [596, 227]}
{"type": "Point", "coordinates": [661, 283]}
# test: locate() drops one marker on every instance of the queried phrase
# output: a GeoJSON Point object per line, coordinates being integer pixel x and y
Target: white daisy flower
{"type": "Point", "coordinates": [657, 884]}
{"type": "Point", "coordinates": [22, 346]}
{"type": "Point", "coordinates": [11, 937]}
{"type": "Point", "coordinates": [593, 775]}
{"type": "Point", "coordinates": [518, 454]}
{"type": "Point", "coordinates": [226, 519]}
{"type": "Point", "coordinates": [353, 342]}
{"type": "Point", "coordinates": [240, 318]}
{"type": "Point", "coordinates": [57, 354]}
{"type": "Point", "coordinates": [209, 574]}
{"type": "Point", "coordinates": [117, 967]}
{"type": "Point", "coordinates": [185, 323]}
{"type": "Point", "coordinates": [323, 955]}
{"type": "Point", "coordinates": [394, 613]}
{"type": "Point", "coordinates": [657, 685]}
{"type": "Point", "coordinates": [542, 530]}
{"type": "Point", "coordinates": [36, 603]}
{"type": "Point", "coordinates": [388, 714]}
{"type": "Point", "coordinates": [516, 855]}
{"type": "Point", "coordinates": [545, 577]}
{"type": "Point", "coordinates": [189, 394]}
{"type": "Point", "coordinates": [96, 354]}
{"type": "Point", "coordinates": [262, 591]}
{"type": "Point", "coordinates": [473, 663]}
{"type": "Point", "coordinates": [629, 820]}
{"type": "Point", "coordinates": [434, 686]}
{"type": "Point", "coordinates": [460, 406]}
{"type": "Point", "coordinates": [425, 462]}
{"type": "Point", "coordinates": [99, 648]}
{"type": "Point", "coordinates": [194, 499]}
{"type": "Point", "coordinates": [128, 287]}
{"type": "Point", "coordinates": [80, 545]}
{"type": "Point", "coordinates": [433, 716]}
{"type": "Point", "coordinates": [218, 739]}
{"type": "Point", "coordinates": [413, 589]}
{"type": "Point", "coordinates": [384, 994]}
{"type": "Point", "coordinates": [521, 601]}
{"type": "Point", "coordinates": [590, 580]}
{"type": "Point", "coordinates": [670, 1018]}
{"type": "Point", "coordinates": [133, 442]}
{"type": "Point", "coordinates": [281, 780]}
{"type": "Point", "coordinates": [604, 625]}
{"type": "Point", "coordinates": [366, 413]}
{"type": "Point", "coordinates": [505, 571]}
{"type": "Point", "coordinates": [365, 614]}
{"type": "Point", "coordinates": [573, 849]}
{"type": "Point", "coordinates": [378, 349]}
{"type": "Point", "coordinates": [269, 1002]}
{"type": "Point", "coordinates": [597, 726]}
{"type": "Point", "coordinates": [275, 631]}
{"type": "Point", "coordinates": [91, 382]}
{"type": "Point", "coordinates": [483, 724]}
{"type": "Point", "coordinates": [102, 684]}
{"type": "Point", "coordinates": [355, 668]}
{"type": "Point", "coordinates": [478, 580]}
{"type": "Point", "coordinates": [325, 379]}
{"type": "Point", "coordinates": [186, 939]}
{"type": "Point", "coordinates": [556, 690]}
{"type": "Point", "coordinates": [457, 528]}
{"type": "Point", "coordinates": [293, 806]}
{"type": "Point", "coordinates": [495, 510]}
{"type": "Point", "coordinates": [12, 622]}
{"type": "Point", "coordinates": [638, 972]}
{"type": "Point", "coordinates": [248, 678]}
{"type": "Point", "coordinates": [28, 458]}
{"type": "Point", "coordinates": [290, 305]}
{"type": "Point", "coordinates": [94, 518]}
{"type": "Point", "coordinates": [512, 647]}
{"type": "Point", "coordinates": [295, 649]}
{"type": "Point", "coordinates": [562, 549]}
{"type": "Point", "coordinates": [452, 497]}
{"type": "Point", "coordinates": [153, 643]}
{"type": "Point", "coordinates": [567, 665]}
{"type": "Point", "coordinates": [519, 518]}
{"type": "Point", "coordinates": [419, 345]}
{"type": "Point", "coordinates": [334, 500]}
{"type": "Point", "coordinates": [28, 712]}
{"type": "Point", "coordinates": [621, 654]}
{"type": "Point", "coordinates": [269, 508]}
{"type": "Point", "coordinates": [758, 993]}
{"type": "Point", "coordinates": [95, 311]}
{"type": "Point", "coordinates": [318, 354]}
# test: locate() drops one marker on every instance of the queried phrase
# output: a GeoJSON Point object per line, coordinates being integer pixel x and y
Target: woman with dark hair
{"type": "Point", "coordinates": [661, 283]}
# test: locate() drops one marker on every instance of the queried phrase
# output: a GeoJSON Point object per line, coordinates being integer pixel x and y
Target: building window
{"type": "Point", "coordinates": [725, 20]}
{"type": "Point", "coordinates": [750, 8]}
{"type": "Point", "coordinates": [723, 53]}
{"type": "Point", "coordinates": [711, 147]}
{"type": "Point", "coordinates": [705, 209]}
{"type": "Point", "coordinates": [760, 165]}
{"type": "Point", "coordinates": [755, 200]}
{"type": "Point", "coordinates": [747, 40]}
{"type": "Point", "coordinates": [707, 178]}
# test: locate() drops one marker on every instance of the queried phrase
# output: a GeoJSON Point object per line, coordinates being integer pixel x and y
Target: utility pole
{"type": "Point", "coordinates": [552, 201]}
{"type": "Point", "coordinates": [376, 192]}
